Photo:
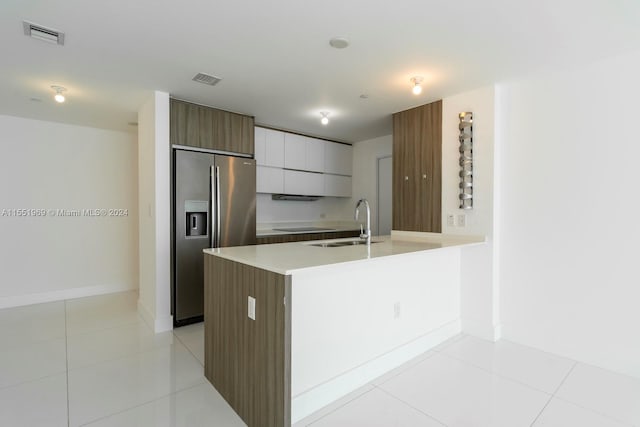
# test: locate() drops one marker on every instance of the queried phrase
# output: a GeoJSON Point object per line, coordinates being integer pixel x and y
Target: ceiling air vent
{"type": "Point", "coordinates": [41, 33]}
{"type": "Point", "coordinates": [206, 79]}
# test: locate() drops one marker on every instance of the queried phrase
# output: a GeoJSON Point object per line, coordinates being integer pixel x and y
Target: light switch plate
{"type": "Point", "coordinates": [462, 220]}
{"type": "Point", "coordinates": [450, 220]}
{"type": "Point", "coordinates": [251, 308]}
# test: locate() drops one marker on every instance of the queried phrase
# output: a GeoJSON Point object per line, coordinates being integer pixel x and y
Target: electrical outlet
{"type": "Point", "coordinates": [251, 311]}
{"type": "Point", "coordinates": [462, 220]}
{"type": "Point", "coordinates": [396, 310]}
{"type": "Point", "coordinates": [450, 220]}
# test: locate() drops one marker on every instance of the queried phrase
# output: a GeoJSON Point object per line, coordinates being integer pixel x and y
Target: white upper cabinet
{"type": "Point", "coordinates": [315, 154]}
{"type": "Point", "coordinates": [303, 153]}
{"type": "Point", "coordinates": [337, 185]}
{"type": "Point", "coordinates": [338, 158]}
{"type": "Point", "coordinates": [269, 147]}
{"type": "Point", "coordinates": [303, 183]}
{"type": "Point", "coordinates": [269, 180]}
{"type": "Point", "coordinates": [295, 164]}
{"type": "Point", "coordinates": [295, 151]}
{"type": "Point", "coordinates": [260, 150]}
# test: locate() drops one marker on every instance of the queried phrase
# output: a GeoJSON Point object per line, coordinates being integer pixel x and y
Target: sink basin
{"type": "Point", "coordinates": [340, 244]}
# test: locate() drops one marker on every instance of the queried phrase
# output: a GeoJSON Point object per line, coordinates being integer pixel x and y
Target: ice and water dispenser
{"type": "Point", "coordinates": [197, 216]}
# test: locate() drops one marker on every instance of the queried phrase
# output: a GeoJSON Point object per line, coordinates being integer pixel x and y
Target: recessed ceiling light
{"type": "Point", "coordinates": [325, 117]}
{"type": "Point", "coordinates": [339, 42]}
{"type": "Point", "coordinates": [364, 96]}
{"type": "Point", "coordinates": [35, 99]}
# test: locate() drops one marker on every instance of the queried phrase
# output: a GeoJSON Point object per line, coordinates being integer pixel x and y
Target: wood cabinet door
{"type": "Point", "coordinates": [406, 166]}
{"type": "Point", "coordinates": [417, 168]}
{"type": "Point", "coordinates": [184, 124]}
{"type": "Point", "coordinates": [430, 175]}
{"type": "Point", "coordinates": [204, 127]}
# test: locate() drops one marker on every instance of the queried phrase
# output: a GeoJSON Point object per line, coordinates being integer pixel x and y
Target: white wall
{"type": "Point", "coordinates": [569, 237]}
{"type": "Point", "coordinates": [479, 287]}
{"type": "Point", "coordinates": [365, 173]}
{"type": "Point", "coordinates": [53, 166]}
{"type": "Point", "coordinates": [154, 303]}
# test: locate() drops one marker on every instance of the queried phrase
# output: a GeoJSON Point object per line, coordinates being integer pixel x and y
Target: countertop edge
{"type": "Point", "coordinates": [446, 242]}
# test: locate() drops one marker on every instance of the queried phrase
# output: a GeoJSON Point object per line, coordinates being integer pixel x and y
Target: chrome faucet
{"type": "Point", "coordinates": [364, 235]}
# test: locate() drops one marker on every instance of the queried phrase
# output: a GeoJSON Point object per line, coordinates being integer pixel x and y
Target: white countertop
{"type": "Point", "coordinates": [286, 258]}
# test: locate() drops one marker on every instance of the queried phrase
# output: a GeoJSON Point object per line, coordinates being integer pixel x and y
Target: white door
{"type": "Point", "coordinates": [385, 182]}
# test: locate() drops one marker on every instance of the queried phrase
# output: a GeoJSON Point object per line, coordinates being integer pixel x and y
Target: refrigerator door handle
{"type": "Point", "coordinates": [212, 202]}
{"type": "Point", "coordinates": [218, 206]}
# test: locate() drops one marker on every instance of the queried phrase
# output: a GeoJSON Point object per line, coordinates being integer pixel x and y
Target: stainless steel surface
{"type": "Point", "coordinates": [217, 180]}
{"type": "Point", "coordinates": [295, 198]}
{"type": "Point", "coordinates": [191, 195]}
{"type": "Point", "coordinates": [302, 229]}
{"type": "Point", "coordinates": [214, 205]}
{"type": "Point", "coordinates": [206, 150]}
{"type": "Point", "coordinates": [466, 160]}
{"type": "Point", "coordinates": [366, 236]}
{"type": "Point", "coordinates": [237, 207]}
{"type": "Point", "coordinates": [341, 244]}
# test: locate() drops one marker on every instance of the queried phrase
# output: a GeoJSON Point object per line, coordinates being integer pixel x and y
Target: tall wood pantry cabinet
{"type": "Point", "coordinates": [417, 168]}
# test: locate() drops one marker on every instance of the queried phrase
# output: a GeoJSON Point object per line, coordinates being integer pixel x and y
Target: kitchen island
{"type": "Point", "coordinates": [291, 327]}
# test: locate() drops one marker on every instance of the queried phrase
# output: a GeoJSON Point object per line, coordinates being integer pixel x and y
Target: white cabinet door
{"type": "Point", "coordinates": [338, 158]}
{"type": "Point", "coordinates": [337, 185]}
{"type": "Point", "coordinates": [303, 183]}
{"type": "Point", "coordinates": [295, 151]}
{"type": "Point", "coordinates": [315, 155]}
{"type": "Point", "coordinates": [274, 148]}
{"type": "Point", "coordinates": [269, 180]}
{"type": "Point", "coordinates": [260, 145]}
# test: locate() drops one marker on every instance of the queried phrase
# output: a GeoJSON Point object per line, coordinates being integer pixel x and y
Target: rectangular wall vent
{"type": "Point", "coordinates": [41, 33]}
{"type": "Point", "coordinates": [206, 79]}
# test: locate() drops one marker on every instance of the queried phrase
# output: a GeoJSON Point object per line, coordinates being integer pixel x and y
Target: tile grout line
{"type": "Point", "coordinates": [188, 349]}
{"type": "Point", "coordinates": [553, 394]}
{"type": "Point", "coordinates": [359, 395]}
{"type": "Point", "coordinates": [504, 377]}
{"type": "Point", "coordinates": [140, 405]}
{"type": "Point", "coordinates": [66, 358]}
{"type": "Point", "coordinates": [595, 411]}
{"type": "Point", "coordinates": [409, 405]}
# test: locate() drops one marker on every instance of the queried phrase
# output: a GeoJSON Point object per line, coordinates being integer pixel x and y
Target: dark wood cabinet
{"type": "Point", "coordinates": [247, 360]}
{"type": "Point", "coordinates": [286, 238]}
{"type": "Point", "coordinates": [417, 168]}
{"type": "Point", "coordinates": [209, 128]}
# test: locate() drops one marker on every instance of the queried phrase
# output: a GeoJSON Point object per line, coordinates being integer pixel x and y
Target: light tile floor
{"type": "Point", "coordinates": [94, 362]}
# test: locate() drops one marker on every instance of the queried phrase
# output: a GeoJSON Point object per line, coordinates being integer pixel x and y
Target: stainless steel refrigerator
{"type": "Point", "coordinates": [214, 202]}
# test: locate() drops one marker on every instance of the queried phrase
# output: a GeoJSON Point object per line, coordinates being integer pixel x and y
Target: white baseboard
{"type": "Point", "coordinates": [158, 324]}
{"type": "Point", "coordinates": [310, 401]}
{"type": "Point", "coordinates": [63, 294]}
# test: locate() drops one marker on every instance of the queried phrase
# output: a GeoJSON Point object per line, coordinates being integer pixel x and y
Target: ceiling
{"type": "Point", "coordinates": [275, 60]}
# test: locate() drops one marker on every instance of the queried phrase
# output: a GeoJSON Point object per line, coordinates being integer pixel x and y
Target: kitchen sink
{"type": "Point", "coordinates": [340, 244]}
